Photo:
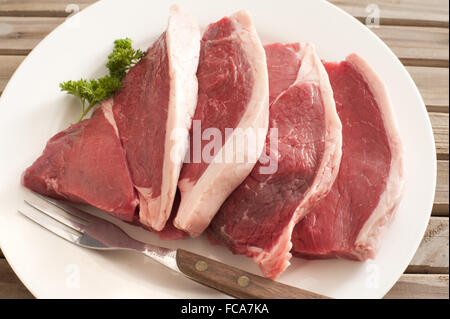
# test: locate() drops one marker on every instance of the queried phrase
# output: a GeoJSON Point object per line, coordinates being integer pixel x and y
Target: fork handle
{"type": "Point", "coordinates": [235, 282]}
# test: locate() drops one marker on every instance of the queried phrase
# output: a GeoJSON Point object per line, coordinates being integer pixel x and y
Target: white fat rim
{"type": "Point", "coordinates": [183, 50]}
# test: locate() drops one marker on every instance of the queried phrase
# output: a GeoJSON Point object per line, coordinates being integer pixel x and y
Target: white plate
{"type": "Point", "coordinates": [32, 109]}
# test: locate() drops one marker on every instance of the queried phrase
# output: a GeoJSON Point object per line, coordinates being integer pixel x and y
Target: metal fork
{"type": "Point", "coordinates": [92, 232]}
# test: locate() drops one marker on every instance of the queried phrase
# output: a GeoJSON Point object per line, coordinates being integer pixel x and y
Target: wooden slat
{"type": "Point", "coordinates": [392, 12]}
{"type": "Point", "coordinates": [10, 285]}
{"type": "Point", "coordinates": [417, 46]}
{"type": "Point", "coordinates": [441, 205]}
{"type": "Point", "coordinates": [19, 35]}
{"type": "Point", "coordinates": [439, 122]}
{"type": "Point", "coordinates": [420, 286]}
{"type": "Point", "coordinates": [400, 12]}
{"type": "Point", "coordinates": [40, 8]}
{"type": "Point", "coordinates": [414, 46]}
{"type": "Point", "coordinates": [433, 85]}
{"type": "Point", "coordinates": [8, 64]}
{"type": "Point", "coordinates": [432, 254]}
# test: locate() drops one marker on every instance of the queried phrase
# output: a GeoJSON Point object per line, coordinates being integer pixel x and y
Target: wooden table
{"type": "Point", "coordinates": [416, 30]}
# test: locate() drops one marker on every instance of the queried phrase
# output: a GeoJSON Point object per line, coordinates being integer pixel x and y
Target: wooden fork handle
{"type": "Point", "coordinates": [235, 282]}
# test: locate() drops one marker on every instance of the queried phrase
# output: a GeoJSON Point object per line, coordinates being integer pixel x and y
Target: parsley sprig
{"type": "Point", "coordinates": [91, 92]}
{"type": "Point", "coordinates": [123, 58]}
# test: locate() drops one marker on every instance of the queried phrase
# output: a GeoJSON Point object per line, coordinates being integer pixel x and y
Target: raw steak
{"type": "Point", "coordinates": [159, 96]}
{"type": "Point", "coordinates": [233, 94]}
{"type": "Point", "coordinates": [348, 222]}
{"type": "Point", "coordinates": [258, 218]}
{"type": "Point", "coordinates": [86, 164]}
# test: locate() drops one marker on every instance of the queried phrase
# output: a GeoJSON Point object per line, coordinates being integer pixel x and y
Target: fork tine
{"type": "Point", "coordinates": [43, 221]}
{"type": "Point", "coordinates": [68, 208]}
{"type": "Point", "coordinates": [60, 218]}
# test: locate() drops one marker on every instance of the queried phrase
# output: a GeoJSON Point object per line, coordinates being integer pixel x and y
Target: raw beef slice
{"type": "Point", "coordinates": [86, 164]}
{"type": "Point", "coordinates": [258, 218]}
{"type": "Point", "coordinates": [158, 97]}
{"type": "Point", "coordinates": [348, 222]}
{"type": "Point", "coordinates": [233, 94]}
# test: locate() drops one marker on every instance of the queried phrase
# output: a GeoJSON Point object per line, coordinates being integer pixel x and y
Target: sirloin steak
{"type": "Point", "coordinates": [86, 164]}
{"type": "Point", "coordinates": [233, 94]}
{"type": "Point", "coordinates": [348, 222]}
{"type": "Point", "coordinates": [258, 218]}
{"type": "Point", "coordinates": [158, 97]}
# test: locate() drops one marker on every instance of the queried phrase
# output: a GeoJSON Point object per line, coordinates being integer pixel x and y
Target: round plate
{"type": "Point", "coordinates": [32, 109]}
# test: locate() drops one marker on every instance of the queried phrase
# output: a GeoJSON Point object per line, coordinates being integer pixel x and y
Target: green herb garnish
{"type": "Point", "coordinates": [91, 92]}
{"type": "Point", "coordinates": [123, 58]}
